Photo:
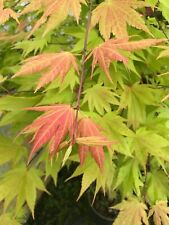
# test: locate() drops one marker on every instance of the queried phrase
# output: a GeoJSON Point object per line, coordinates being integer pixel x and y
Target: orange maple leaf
{"type": "Point", "coordinates": [52, 64]}
{"type": "Point", "coordinates": [114, 15]}
{"type": "Point", "coordinates": [109, 51]}
{"type": "Point", "coordinates": [52, 127]}
{"type": "Point", "coordinates": [6, 13]}
{"type": "Point", "coordinates": [90, 139]}
{"type": "Point", "coordinates": [55, 12]}
{"type": "Point", "coordinates": [160, 212]}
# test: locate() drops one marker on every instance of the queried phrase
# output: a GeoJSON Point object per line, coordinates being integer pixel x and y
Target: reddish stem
{"type": "Point", "coordinates": [82, 75]}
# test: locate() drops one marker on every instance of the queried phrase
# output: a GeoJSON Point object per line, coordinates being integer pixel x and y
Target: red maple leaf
{"type": "Point", "coordinates": [52, 127]}
{"type": "Point", "coordinates": [90, 139]}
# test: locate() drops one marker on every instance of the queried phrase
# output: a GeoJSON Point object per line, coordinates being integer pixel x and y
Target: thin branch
{"type": "Point", "coordinates": [82, 76]}
{"type": "Point", "coordinates": [4, 89]}
{"type": "Point", "coordinates": [147, 170]}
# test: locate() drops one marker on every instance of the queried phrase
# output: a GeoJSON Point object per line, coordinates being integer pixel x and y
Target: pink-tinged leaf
{"type": "Point", "coordinates": [136, 45]}
{"type": "Point", "coordinates": [87, 129]}
{"type": "Point", "coordinates": [83, 151]}
{"type": "Point", "coordinates": [51, 65]}
{"type": "Point", "coordinates": [6, 14]}
{"type": "Point", "coordinates": [98, 155]}
{"type": "Point", "coordinates": [52, 127]}
{"type": "Point", "coordinates": [109, 51]}
{"type": "Point", "coordinates": [54, 12]}
{"type": "Point", "coordinates": [94, 141]}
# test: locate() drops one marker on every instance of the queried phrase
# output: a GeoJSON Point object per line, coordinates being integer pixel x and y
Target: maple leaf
{"type": "Point", "coordinates": [132, 98]}
{"type": "Point", "coordinates": [160, 212]}
{"type": "Point", "coordinates": [55, 12]}
{"type": "Point", "coordinates": [6, 13]}
{"type": "Point", "coordinates": [34, 45]}
{"type": "Point", "coordinates": [15, 154]}
{"type": "Point", "coordinates": [91, 173]}
{"type": "Point", "coordinates": [109, 51]}
{"type": "Point", "coordinates": [52, 127]}
{"type": "Point", "coordinates": [114, 15]}
{"type": "Point", "coordinates": [129, 171]}
{"type": "Point", "coordinates": [157, 179]}
{"type": "Point", "coordinates": [100, 98]}
{"type": "Point", "coordinates": [21, 185]}
{"type": "Point", "coordinates": [164, 7]}
{"type": "Point", "coordinates": [52, 64]}
{"type": "Point", "coordinates": [34, 5]}
{"type": "Point", "coordinates": [132, 212]}
{"type": "Point", "coordinates": [90, 139]}
{"type": "Point", "coordinates": [148, 141]}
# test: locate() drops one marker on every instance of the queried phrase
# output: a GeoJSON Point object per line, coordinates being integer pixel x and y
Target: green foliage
{"type": "Point", "coordinates": [100, 98]}
{"type": "Point", "coordinates": [130, 171]}
{"type": "Point", "coordinates": [164, 7]}
{"type": "Point", "coordinates": [20, 184]}
{"type": "Point", "coordinates": [6, 220]}
{"type": "Point", "coordinates": [103, 179]}
{"type": "Point", "coordinates": [10, 151]}
{"type": "Point", "coordinates": [101, 101]}
{"type": "Point", "coordinates": [136, 98]}
{"type": "Point", "coordinates": [154, 180]}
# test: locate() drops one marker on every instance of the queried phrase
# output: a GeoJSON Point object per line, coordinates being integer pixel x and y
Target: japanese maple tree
{"type": "Point", "coordinates": [86, 81]}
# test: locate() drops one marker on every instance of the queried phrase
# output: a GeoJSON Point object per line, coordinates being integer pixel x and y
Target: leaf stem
{"type": "Point", "coordinates": [82, 74]}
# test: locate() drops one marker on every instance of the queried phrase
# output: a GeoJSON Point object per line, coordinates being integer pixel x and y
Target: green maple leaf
{"type": "Point", "coordinates": [135, 98]}
{"type": "Point", "coordinates": [31, 46]}
{"type": "Point", "coordinates": [164, 7]}
{"type": "Point", "coordinates": [157, 186]}
{"type": "Point", "coordinates": [91, 172]}
{"type": "Point", "coordinates": [53, 167]}
{"type": "Point", "coordinates": [13, 103]}
{"type": "Point", "coordinates": [146, 141]}
{"type": "Point", "coordinates": [10, 151]}
{"type": "Point", "coordinates": [117, 121]}
{"type": "Point", "coordinates": [100, 98]}
{"type": "Point", "coordinates": [53, 96]}
{"type": "Point", "coordinates": [129, 171]}
{"type": "Point", "coordinates": [112, 121]}
{"type": "Point", "coordinates": [158, 124]}
{"type": "Point", "coordinates": [21, 185]}
{"type": "Point", "coordinates": [35, 45]}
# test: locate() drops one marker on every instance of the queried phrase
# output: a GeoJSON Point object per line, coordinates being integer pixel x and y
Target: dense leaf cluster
{"type": "Point", "coordinates": [85, 83]}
